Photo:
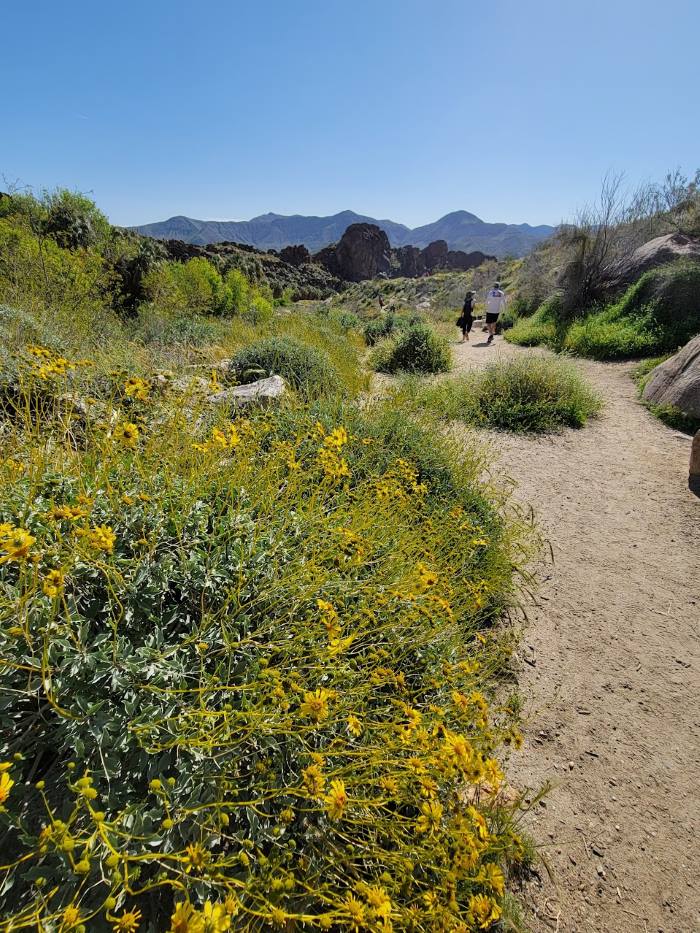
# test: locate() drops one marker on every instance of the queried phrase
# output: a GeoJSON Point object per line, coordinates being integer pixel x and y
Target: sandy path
{"type": "Point", "coordinates": [611, 666]}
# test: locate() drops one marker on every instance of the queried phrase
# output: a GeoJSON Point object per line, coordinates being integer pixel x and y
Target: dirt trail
{"type": "Point", "coordinates": [611, 665]}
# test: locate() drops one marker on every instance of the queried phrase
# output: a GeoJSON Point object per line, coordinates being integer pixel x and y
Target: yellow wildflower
{"type": "Point", "coordinates": [53, 583]}
{"type": "Point", "coordinates": [126, 434]}
{"type": "Point", "coordinates": [70, 917]}
{"type": "Point", "coordinates": [136, 388]}
{"type": "Point", "coordinates": [185, 919]}
{"type": "Point", "coordinates": [315, 705]}
{"type": "Point", "coordinates": [429, 820]}
{"type": "Point", "coordinates": [491, 876]}
{"type": "Point", "coordinates": [69, 512]}
{"type": "Point", "coordinates": [337, 439]}
{"type": "Point", "coordinates": [314, 780]}
{"type": "Point", "coordinates": [6, 783]}
{"type": "Point", "coordinates": [336, 800]}
{"type": "Point", "coordinates": [128, 922]}
{"type": "Point", "coordinates": [428, 577]}
{"type": "Point", "coordinates": [334, 467]}
{"type": "Point", "coordinates": [356, 912]}
{"type": "Point", "coordinates": [102, 538]}
{"type": "Point", "coordinates": [196, 858]}
{"type": "Point", "coordinates": [215, 918]}
{"type": "Point", "coordinates": [483, 911]}
{"type": "Point", "coordinates": [480, 823]}
{"type": "Point", "coordinates": [458, 751]}
{"type": "Point", "coordinates": [354, 725]}
{"type": "Point", "coordinates": [378, 900]}
{"type": "Point", "coordinates": [15, 542]}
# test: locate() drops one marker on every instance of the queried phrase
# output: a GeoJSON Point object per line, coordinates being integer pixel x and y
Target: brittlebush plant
{"type": "Point", "coordinates": [247, 669]}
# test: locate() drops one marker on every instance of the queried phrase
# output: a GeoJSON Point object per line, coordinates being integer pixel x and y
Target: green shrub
{"type": "Point", "coordinates": [175, 329]}
{"type": "Point", "coordinates": [544, 327]}
{"type": "Point", "coordinates": [307, 369]}
{"type": "Point", "coordinates": [260, 666]}
{"type": "Point", "coordinates": [379, 328]}
{"type": "Point", "coordinates": [532, 394]}
{"type": "Point", "coordinates": [668, 300]}
{"type": "Point", "coordinates": [606, 335]}
{"type": "Point", "coordinates": [417, 349]}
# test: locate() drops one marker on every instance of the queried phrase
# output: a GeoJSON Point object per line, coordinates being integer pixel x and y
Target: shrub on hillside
{"type": "Point", "coordinates": [606, 335]}
{"type": "Point", "coordinates": [415, 349]}
{"type": "Point", "coordinates": [260, 667]}
{"type": "Point", "coordinates": [533, 394]}
{"type": "Point", "coordinates": [306, 369]}
{"type": "Point", "coordinates": [657, 314]}
{"type": "Point", "coordinates": [542, 327]}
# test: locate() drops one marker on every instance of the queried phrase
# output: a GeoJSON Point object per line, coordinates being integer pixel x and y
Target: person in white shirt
{"type": "Point", "coordinates": [495, 303]}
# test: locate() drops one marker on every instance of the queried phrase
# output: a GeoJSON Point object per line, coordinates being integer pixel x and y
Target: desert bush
{"type": "Point", "coordinates": [415, 349]}
{"type": "Point", "coordinates": [657, 314]}
{"type": "Point", "coordinates": [379, 328]}
{"type": "Point", "coordinates": [533, 394]}
{"type": "Point", "coordinates": [246, 689]}
{"type": "Point", "coordinates": [174, 329]}
{"type": "Point", "coordinates": [307, 369]}
{"type": "Point", "coordinates": [606, 335]}
{"type": "Point", "coordinates": [543, 327]}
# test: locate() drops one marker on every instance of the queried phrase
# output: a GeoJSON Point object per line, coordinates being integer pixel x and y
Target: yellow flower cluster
{"type": "Point", "coordinates": [334, 466]}
{"type": "Point", "coordinates": [6, 782]}
{"type": "Point", "coordinates": [137, 388]}
{"type": "Point", "coordinates": [15, 543]}
{"type": "Point", "coordinates": [126, 434]}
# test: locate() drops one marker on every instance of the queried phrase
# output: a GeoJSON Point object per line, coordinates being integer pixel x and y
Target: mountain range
{"type": "Point", "coordinates": [460, 229]}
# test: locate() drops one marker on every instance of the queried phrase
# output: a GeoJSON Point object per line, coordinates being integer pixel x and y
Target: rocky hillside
{"type": "Point", "coordinates": [460, 230]}
{"type": "Point", "coordinates": [364, 252]}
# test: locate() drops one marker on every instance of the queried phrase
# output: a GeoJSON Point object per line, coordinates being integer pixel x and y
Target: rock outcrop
{"type": "Point", "coordinates": [295, 255]}
{"type": "Point", "coordinates": [263, 392]}
{"type": "Point", "coordinates": [657, 252]}
{"type": "Point", "coordinates": [676, 382]}
{"type": "Point", "coordinates": [363, 252]}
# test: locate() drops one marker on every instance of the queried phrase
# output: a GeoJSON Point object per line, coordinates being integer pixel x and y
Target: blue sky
{"type": "Point", "coordinates": [401, 109]}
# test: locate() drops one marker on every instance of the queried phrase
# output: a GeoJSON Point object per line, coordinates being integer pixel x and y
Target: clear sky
{"type": "Point", "coordinates": [401, 109]}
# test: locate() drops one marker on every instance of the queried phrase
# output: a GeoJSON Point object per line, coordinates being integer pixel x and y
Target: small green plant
{"type": "Point", "coordinates": [541, 328]}
{"type": "Point", "coordinates": [417, 349]}
{"type": "Point", "coordinates": [307, 369]}
{"type": "Point", "coordinates": [533, 395]}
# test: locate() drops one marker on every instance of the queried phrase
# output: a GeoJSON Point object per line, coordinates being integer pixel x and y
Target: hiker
{"type": "Point", "coordinates": [495, 303]}
{"type": "Point", "coordinates": [466, 318]}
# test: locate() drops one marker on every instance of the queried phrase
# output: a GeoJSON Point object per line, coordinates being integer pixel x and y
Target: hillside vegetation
{"type": "Point", "coordinates": [254, 664]}
{"type": "Point", "coordinates": [575, 293]}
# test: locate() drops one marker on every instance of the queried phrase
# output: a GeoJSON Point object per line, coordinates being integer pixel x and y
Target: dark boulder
{"type": "Point", "coordinates": [363, 252]}
{"type": "Point", "coordinates": [435, 255]}
{"type": "Point", "coordinates": [295, 255]}
{"type": "Point", "coordinates": [409, 261]}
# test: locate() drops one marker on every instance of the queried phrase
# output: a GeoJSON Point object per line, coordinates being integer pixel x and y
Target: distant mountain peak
{"type": "Point", "coordinates": [461, 230]}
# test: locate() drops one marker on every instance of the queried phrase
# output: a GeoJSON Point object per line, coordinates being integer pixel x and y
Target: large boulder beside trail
{"type": "Point", "coordinates": [657, 252]}
{"type": "Point", "coordinates": [676, 382]}
{"type": "Point", "coordinates": [694, 472]}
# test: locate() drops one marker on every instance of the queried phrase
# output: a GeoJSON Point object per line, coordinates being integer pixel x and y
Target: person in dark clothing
{"type": "Point", "coordinates": [466, 318]}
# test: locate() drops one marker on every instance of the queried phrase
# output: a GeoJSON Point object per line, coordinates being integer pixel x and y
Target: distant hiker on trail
{"type": "Point", "coordinates": [495, 303]}
{"type": "Point", "coordinates": [466, 318]}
